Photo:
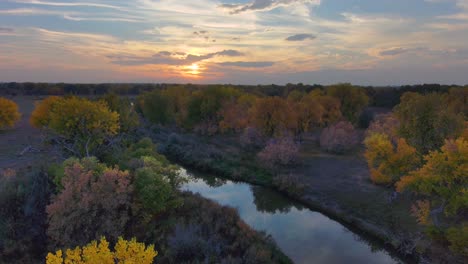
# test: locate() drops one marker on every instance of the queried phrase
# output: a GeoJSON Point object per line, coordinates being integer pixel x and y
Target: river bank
{"type": "Point", "coordinates": [337, 186]}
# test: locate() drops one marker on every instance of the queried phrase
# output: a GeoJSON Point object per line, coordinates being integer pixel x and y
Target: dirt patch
{"type": "Point", "coordinates": [23, 139]}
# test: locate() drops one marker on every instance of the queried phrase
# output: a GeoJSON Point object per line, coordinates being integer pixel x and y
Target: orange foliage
{"type": "Point", "coordinates": [9, 114]}
{"type": "Point", "coordinates": [40, 117]}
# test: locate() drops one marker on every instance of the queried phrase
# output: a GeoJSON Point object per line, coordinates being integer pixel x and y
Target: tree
{"type": "Point", "coordinates": [95, 201]}
{"type": "Point", "coordinates": [427, 120]}
{"type": "Point", "coordinates": [204, 105]}
{"type": "Point", "coordinates": [234, 114]}
{"type": "Point", "coordinates": [128, 117]}
{"type": "Point", "coordinates": [339, 138]}
{"type": "Point", "coordinates": [330, 108]}
{"type": "Point", "coordinates": [273, 116]}
{"type": "Point", "coordinates": [388, 162]}
{"type": "Point", "coordinates": [99, 252]}
{"type": "Point", "coordinates": [156, 185]}
{"type": "Point", "coordinates": [9, 114]}
{"type": "Point", "coordinates": [352, 100]}
{"type": "Point", "coordinates": [443, 182]}
{"type": "Point", "coordinates": [81, 126]}
{"type": "Point", "coordinates": [387, 124]}
{"type": "Point", "coordinates": [156, 107]}
{"type": "Point", "coordinates": [279, 152]}
{"type": "Point", "coordinates": [443, 178]}
{"type": "Point", "coordinates": [41, 115]}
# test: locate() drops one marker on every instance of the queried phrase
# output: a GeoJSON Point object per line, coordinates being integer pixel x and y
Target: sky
{"type": "Point", "coordinates": [365, 42]}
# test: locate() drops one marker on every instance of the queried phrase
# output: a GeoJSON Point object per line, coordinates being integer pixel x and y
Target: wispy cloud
{"type": "Point", "coordinates": [170, 58]}
{"type": "Point", "coordinates": [66, 4]}
{"type": "Point", "coordinates": [301, 37]}
{"type": "Point", "coordinates": [248, 64]}
{"type": "Point", "coordinates": [264, 5]}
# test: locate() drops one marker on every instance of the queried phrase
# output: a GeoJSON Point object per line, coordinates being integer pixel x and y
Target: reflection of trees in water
{"type": "Point", "coordinates": [209, 180]}
{"type": "Point", "coordinates": [270, 201]}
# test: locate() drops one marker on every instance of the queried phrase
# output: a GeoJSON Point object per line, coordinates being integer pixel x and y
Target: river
{"type": "Point", "coordinates": [304, 235]}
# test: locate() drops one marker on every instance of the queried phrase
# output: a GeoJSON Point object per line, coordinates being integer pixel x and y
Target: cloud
{"type": "Point", "coordinates": [301, 37]}
{"type": "Point", "coordinates": [248, 64]}
{"type": "Point", "coordinates": [6, 30]}
{"type": "Point", "coordinates": [264, 5]}
{"type": "Point", "coordinates": [46, 3]}
{"type": "Point", "coordinates": [399, 50]}
{"type": "Point", "coordinates": [170, 58]}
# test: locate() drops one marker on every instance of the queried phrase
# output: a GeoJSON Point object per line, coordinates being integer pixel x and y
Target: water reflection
{"type": "Point", "coordinates": [305, 236]}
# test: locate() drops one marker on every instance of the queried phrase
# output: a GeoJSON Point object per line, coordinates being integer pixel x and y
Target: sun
{"type": "Point", "coordinates": [194, 67]}
{"type": "Point", "coordinates": [192, 70]}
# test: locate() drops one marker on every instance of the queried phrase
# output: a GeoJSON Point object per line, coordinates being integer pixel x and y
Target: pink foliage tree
{"type": "Point", "coordinates": [93, 203]}
{"type": "Point", "coordinates": [339, 138]}
{"type": "Point", "coordinates": [279, 152]}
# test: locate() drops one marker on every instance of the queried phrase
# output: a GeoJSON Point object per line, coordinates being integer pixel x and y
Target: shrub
{"type": "Point", "coordinates": [279, 152]}
{"type": "Point", "coordinates": [95, 201]}
{"type": "Point", "coordinates": [339, 138]}
{"type": "Point", "coordinates": [9, 114]}
{"type": "Point", "coordinates": [251, 138]}
{"type": "Point", "coordinates": [387, 124]}
{"type": "Point", "coordinates": [99, 252]}
{"type": "Point", "coordinates": [458, 238]}
{"type": "Point", "coordinates": [290, 183]}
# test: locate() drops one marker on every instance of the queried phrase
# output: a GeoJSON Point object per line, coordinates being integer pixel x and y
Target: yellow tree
{"type": "Point", "coordinates": [99, 252]}
{"type": "Point", "coordinates": [78, 124]}
{"type": "Point", "coordinates": [9, 114]}
{"type": "Point", "coordinates": [443, 181]}
{"type": "Point", "coordinates": [387, 162]}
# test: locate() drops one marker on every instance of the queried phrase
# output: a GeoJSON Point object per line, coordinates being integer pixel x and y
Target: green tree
{"type": "Point", "coordinates": [427, 120]}
{"type": "Point", "coordinates": [128, 117]}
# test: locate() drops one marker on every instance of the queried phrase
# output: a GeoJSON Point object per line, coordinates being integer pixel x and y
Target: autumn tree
{"type": "Point", "coordinates": [273, 116]}
{"type": "Point", "coordinates": [95, 201]}
{"type": "Point", "coordinates": [352, 100]}
{"type": "Point", "coordinates": [41, 115]}
{"type": "Point", "coordinates": [128, 117]}
{"type": "Point", "coordinates": [443, 183]}
{"type": "Point", "coordinates": [279, 152]}
{"type": "Point", "coordinates": [427, 120]}
{"type": "Point", "coordinates": [99, 252]}
{"type": "Point", "coordinates": [204, 105]}
{"type": "Point", "coordinates": [234, 114]}
{"type": "Point", "coordinates": [9, 114]}
{"type": "Point", "coordinates": [387, 124]}
{"type": "Point", "coordinates": [81, 126]}
{"type": "Point", "coordinates": [387, 161]}
{"type": "Point", "coordinates": [330, 108]}
{"type": "Point", "coordinates": [339, 138]}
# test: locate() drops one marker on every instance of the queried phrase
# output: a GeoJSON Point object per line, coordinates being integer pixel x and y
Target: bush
{"type": "Point", "coordinates": [290, 183]}
{"type": "Point", "coordinates": [95, 202]}
{"type": "Point", "coordinates": [279, 152]}
{"type": "Point", "coordinates": [339, 138]}
{"type": "Point", "coordinates": [252, 139]}
{"type": "Point", "coordinates": [9, 114]}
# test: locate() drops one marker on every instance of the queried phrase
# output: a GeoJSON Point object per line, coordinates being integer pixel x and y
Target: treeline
{"type": "Point", "coordinates": [379, 96]}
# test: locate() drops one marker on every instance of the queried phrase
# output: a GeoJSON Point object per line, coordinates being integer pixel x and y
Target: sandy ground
{"type": "Point", "coordinates": [14, 140]}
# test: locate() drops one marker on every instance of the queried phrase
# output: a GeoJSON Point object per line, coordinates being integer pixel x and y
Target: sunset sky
{"type": "Point", "coordinates": [368, 42]}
